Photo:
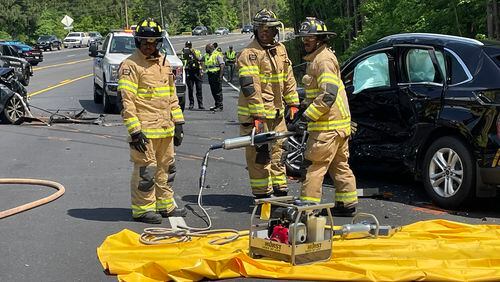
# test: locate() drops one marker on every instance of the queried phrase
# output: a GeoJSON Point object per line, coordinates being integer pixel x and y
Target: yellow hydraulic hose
{"type": "Point", "coordinates": [27, 181]}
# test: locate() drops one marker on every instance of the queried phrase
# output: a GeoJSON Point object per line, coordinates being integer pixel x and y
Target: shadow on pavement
{"type": "Point", "coordinates": [102, 214]}
{"type": "Point", "coordinates": [91, 107]}
{"type": "Point", "coordinates": [230, 203]}
{"type": "Point", "coordinates": [401, 187]}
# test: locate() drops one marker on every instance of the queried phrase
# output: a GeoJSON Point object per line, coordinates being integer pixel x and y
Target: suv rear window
{"type": "Point", "coordinates": [74, 34]}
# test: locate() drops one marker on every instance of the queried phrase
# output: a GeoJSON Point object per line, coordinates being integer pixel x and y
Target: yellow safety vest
{"type": "Point", "coordinates": [211, 63]}
{"type": "Point", "coordinates": [231, 56]}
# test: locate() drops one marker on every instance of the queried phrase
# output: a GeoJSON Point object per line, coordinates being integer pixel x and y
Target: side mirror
{"type": "Point", "coordinates": [93, 50]}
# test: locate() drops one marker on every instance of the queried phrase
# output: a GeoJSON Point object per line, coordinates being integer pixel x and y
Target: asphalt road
{"type": "Point", "coordinates": [58, 241]}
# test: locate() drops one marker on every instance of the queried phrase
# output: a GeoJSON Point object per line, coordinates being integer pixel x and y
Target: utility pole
{"type": "Point", "coordinates": [161, 15]}
{"type": "Point", "coordinates": [242, 14]}
{"type": "Point", "coordinates": [249, 12]}
{"type": "Point", "coordinates": [126, 14]}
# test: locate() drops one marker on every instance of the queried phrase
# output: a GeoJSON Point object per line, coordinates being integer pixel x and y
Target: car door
{"type": "Point", "coordinates": [98, 63]}
{"type": "Point", "coordinates": [420, 74]}
{"type": "Point", "coordinates": [373, 95]}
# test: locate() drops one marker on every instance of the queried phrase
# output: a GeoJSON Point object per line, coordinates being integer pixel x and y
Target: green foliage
{"type": "Point", "coordinates": [4, 35]}
{"type": "Point", "coordinates": [378, 18]}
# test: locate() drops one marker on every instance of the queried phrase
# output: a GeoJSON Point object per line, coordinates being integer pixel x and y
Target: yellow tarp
{"type": "Point", "coordinates": [436, 250]}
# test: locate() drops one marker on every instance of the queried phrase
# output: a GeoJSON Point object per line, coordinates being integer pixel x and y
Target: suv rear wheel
{"type": "Point", "coordinates": [448, 172]}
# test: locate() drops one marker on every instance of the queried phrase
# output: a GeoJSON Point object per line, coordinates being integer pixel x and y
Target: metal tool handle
{"type": "Point", "coordinates": [361, 215]}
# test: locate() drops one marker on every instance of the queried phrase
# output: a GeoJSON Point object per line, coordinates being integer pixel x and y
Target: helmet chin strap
{"type": "Point", "coordinates": [318, 44]}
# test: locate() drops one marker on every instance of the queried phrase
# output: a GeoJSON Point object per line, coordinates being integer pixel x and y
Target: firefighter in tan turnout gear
{"type": "Point", "coordinates": [267, 82]}
{"type": "Point", "coordinates": [154, 121]}
{"type": "Point", "coordinates": [328, 122]}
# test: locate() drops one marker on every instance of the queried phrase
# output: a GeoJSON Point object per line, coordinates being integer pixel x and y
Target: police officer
{"type": "Point", "coordinates": [328, 122]}
{"type": "Point", "coordinates": [154, 121]}
{"type": "Point", "coordinates": [192, 62]}
{"type": "Point", "coordinates": [214, 67]}
{"type": "Point", "coordinates": [267, 82]}
{"type": "Point", "coordinates": [230, 57]}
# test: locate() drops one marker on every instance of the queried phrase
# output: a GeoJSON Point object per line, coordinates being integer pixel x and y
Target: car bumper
{"type": "Point", "coordinates": [43, 46]}
{"type": "Point", "coordinates": [112, 89]}
{"type": "Point", "coordinates": [71, 44]}
{"type": "Point", "coordinates": [36, 59]}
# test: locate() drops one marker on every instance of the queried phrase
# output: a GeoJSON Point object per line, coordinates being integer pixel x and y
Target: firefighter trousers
{"type": "Point", "coordinates": [328, 152]}
{"type": "Point", "coordinates": [150, 189]}
{"type": "Point", "coordinates": [265, 177]}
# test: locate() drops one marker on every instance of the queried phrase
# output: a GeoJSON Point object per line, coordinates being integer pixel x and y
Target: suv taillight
{"type": "Point", "coordinates": [178, 75]}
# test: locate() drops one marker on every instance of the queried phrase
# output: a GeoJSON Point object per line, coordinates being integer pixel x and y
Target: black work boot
{"type": "Point", "coordinates": [177, 212]}
{"type": "Point", "coordinates": [280, 191]}
{"type": "Point", "coordinates": [149, 217]}
{"type": "Point", "coordinates": [340, 211]}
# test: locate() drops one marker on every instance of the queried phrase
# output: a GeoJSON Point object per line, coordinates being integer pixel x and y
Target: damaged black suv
{"type": "Point", "coordinates": [428, 104]}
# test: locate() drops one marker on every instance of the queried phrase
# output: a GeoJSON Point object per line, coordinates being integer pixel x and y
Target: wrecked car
{"type": "Point", "coordinates": [13, 97]}
{"type": "Point", "coordinates": [427, 104]}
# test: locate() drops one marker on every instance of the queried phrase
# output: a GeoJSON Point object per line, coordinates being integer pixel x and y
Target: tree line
{"type": "Point", "coordinates": [356, 22]}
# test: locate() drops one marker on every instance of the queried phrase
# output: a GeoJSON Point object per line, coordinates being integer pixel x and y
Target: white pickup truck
{"type": "Point", "coordinates": [76, 39]}
{"type": "Point", "coordinates": [117, 46]}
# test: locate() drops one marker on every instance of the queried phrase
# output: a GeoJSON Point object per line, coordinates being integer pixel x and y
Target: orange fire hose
{"type": "Point", "coordinates": [27, 181]}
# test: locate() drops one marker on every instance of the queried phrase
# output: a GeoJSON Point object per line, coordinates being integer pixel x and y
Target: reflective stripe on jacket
{"type": "Point", "coordinates": [267, 82]}
{"type": "Point", "coordinates": [147, 89]}
{"type": "Point", "coordinates": [326, 99]}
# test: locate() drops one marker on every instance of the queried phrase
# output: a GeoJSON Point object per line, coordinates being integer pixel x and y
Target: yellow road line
{"type": "Point", "coordinates": [62, 83]}
{"type": "Point", "coordinates": [63, 64]}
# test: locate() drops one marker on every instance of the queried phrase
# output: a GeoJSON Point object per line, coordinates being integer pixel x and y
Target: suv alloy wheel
{"type": "Point", "coordinates": [448, 172]}
{"type": "Point", "coordinates": [13, 110]}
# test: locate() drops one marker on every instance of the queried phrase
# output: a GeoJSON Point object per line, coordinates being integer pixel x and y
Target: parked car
{"type": "Point", "coordinates": [200, 30]}
{"type": "Point", "coordinates": [95, 37]}
{"type": "Point", "coordinates": [33, 56]}
{"type": "Point", "coordinates": [12, 59]}
{"type": "Point", "coordinates": [76, 39]}
{"type": "Point", "coordinates": [428, 104]}
{"type": "Point", "coordinates": [48, 43]}
{"type": "Point", "coordinates": [12, 106]}
{"type": "Point", "coordinates": [247, 29]}
{"type": "Point", "coordinates": [222, 31]}
{"type": "Point", "coordinates": [117, 46]}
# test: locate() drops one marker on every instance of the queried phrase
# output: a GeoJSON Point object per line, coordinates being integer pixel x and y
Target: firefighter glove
{"type": "Point", "coordinates": [139, 141]}
{"type": "Point", "coordinates": [178, 135]}
{"type": "Point", "coordinates": [354, 128]}
{"type": "Point", "coordinates": [259, 126]}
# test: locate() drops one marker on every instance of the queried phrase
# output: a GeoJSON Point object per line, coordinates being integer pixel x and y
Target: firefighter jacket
{"type": "Point", "coordinates": [147, 89]}
{"type": "Point", "coordinates": [326, 100]}
{"type": "Point", "coordinates": [267, 82]}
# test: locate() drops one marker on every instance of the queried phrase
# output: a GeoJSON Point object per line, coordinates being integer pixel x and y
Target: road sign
{"type": "Point", "coordinates": [68, 27]}
{"type": "Point", "coordinates": [67, 20]}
